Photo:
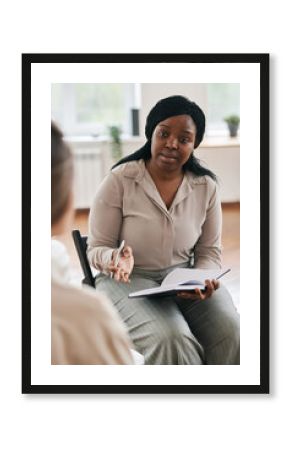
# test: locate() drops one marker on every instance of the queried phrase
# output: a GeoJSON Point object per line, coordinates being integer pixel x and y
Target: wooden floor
{"type": "Point", "coordinates": [230, 240]}
{"type": "Point", "coordinates": [231, 249]}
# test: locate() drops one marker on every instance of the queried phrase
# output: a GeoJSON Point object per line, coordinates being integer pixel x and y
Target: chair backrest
{"type": "Point", "coordinates": [81, 247]}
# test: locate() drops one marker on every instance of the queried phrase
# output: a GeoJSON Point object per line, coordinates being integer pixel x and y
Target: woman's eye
{"type": "Point", "coordinates": [184, 140]}
{"type": "Point", "coordinates": [163, 134]}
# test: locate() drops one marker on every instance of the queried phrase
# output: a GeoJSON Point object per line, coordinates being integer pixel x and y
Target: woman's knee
{"type": "Point", "coordinates": [173, 345]}
{"type": "Point", "coordinates": [227, 319]}
{"type": "Point", "coordinates": [234, 339]}
{"type": "Point", "coordinates": [226, 350]}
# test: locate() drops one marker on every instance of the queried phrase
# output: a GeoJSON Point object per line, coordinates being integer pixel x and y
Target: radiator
{"type": "Point", "coordinates": [88, 173]}
{"type": "Point", "coordinates": [92, 161]}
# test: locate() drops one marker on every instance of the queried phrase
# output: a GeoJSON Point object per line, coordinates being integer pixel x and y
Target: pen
{"type": "Point", "coordinates": [218, 277]}
{"type": "Point", "coordinates": [118, 254]}
{"type": "Point", "coordinates": [222, 274]}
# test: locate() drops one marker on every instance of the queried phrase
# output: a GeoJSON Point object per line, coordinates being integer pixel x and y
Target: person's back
{"type": "Point", "coordinates": [85, 327]}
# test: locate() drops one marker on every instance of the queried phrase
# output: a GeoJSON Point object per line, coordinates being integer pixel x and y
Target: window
{"type": "Point", "coordinates": [222, 100]}
{"type": "Point", "coordinates": [89, 109]}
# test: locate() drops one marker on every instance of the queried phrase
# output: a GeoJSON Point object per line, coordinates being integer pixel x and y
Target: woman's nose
{"type": "Point", "coordinates": [172, 142]}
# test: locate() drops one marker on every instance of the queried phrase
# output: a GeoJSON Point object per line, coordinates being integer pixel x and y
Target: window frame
{"type": "Point", "coordinates": [67, 112]}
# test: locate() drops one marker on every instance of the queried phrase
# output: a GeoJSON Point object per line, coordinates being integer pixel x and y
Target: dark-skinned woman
{"type": "Point", "coordinates": [166, 207]}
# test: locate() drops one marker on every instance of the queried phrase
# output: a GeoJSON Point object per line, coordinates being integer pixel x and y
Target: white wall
{"type": "Point", "coordinates": [224, 161]}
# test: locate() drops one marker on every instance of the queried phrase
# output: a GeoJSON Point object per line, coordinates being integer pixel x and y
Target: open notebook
{"type": "Point", "coordinates": [182, 280]}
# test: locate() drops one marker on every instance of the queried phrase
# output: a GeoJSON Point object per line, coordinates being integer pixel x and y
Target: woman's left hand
{"type": "Point", "coordinates": [197, 294]}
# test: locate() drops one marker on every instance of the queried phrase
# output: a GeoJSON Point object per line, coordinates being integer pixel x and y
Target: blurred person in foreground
{"type": "Point", "coordinates": [85, 328]}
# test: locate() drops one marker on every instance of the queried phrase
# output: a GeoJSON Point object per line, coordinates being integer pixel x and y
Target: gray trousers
{"type": "Point", "coordinates": [171, 330]}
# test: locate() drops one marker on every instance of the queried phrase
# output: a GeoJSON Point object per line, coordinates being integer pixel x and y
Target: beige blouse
{"type": "Point", "coordinates": [85, 328]}
{"type": "Point", "coordinates": [128, 206]}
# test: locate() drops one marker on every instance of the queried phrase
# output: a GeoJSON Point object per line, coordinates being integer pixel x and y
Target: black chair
{"type": "Point", "coordinates": [81, 247]}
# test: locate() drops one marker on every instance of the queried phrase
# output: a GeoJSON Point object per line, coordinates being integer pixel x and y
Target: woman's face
{"type": "Point", "coordinates": [173, 142]}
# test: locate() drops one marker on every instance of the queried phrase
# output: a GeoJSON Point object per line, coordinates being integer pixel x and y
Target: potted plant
{"type": "Point", "coordinates": [233, 122]}
{"type": "Point", "coordinates": [116, 146]}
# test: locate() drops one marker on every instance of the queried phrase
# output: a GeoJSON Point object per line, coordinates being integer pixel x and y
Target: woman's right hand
{"type": "Point", "coordinates": [122, 271]}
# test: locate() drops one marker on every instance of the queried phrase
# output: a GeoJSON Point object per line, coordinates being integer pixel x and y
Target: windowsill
{"type": "Point", "coordinates": [125, 138]}
{"type": "Point", "coordinates": [220, 141]}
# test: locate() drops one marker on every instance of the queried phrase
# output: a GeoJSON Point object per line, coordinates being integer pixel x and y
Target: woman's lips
{"type": "Point", "coordinates": [168, 157]}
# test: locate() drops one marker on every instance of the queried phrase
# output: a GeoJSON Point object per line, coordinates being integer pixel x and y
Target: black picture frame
{"type": "Point", "coordinates": [259, 59]}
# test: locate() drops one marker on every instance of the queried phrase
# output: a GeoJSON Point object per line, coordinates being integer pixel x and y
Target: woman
{"type": "Point", "coordinates": [85, 326]}
{"type": "Point", "coordinates": [166, 207]}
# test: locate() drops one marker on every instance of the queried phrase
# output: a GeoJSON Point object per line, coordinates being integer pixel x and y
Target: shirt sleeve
{"type": "Point", "coordinates": [105, 222]}
{"type": "Point", "coordinates": [207, 251]}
